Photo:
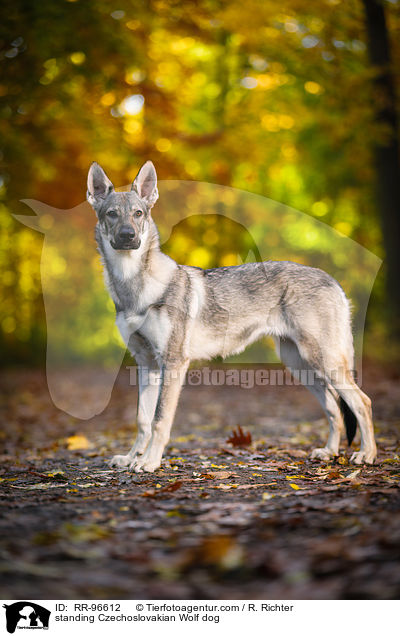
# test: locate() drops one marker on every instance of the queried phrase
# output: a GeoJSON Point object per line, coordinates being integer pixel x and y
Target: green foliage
{"type": "Point", "coordinates": [273, 99]}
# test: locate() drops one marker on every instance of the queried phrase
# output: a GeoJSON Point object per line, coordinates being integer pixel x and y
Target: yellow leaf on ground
{"type": "Point", "coordinates": [184, 438]}
{"type": "Point", "coordinates": [289, 477]}
{"type": "Point", "coordinates": [266, 496]}
{"type": "Point", "coordinates": [78, 442]}
{"type": "Point", "coordinates": [295, 486]}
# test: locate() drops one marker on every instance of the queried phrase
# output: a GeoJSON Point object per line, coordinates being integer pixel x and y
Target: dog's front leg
{"type": "Point", "coordinates": [149, 388]}
{"type": "Point", "coordinates": [171, 384]}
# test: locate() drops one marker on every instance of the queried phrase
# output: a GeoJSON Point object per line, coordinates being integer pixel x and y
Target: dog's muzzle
{"type": "Point", "coordinates": [126, 239]}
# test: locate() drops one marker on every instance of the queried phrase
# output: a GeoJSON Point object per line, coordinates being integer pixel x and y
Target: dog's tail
{"type": "Point", "coordinates": [350, 420]}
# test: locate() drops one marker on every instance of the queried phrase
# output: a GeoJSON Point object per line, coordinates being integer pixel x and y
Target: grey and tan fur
{"type": "Point", "coordinates": [170, 314]}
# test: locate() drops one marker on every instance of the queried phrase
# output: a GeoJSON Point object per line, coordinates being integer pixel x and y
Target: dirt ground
{"type": "Point", "coordinates": [217, 521]}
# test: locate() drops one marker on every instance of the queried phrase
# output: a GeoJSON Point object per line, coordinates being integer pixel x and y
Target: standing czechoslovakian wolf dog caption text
{"type": "Point", "coordinates": [170, 314]}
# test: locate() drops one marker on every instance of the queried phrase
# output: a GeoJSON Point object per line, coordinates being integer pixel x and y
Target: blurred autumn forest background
{"type": "Point", "coordinates": [294, 101]}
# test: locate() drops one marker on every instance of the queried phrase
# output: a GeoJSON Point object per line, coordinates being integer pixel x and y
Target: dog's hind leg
{"type": "Point", "coordinates": [334, 365]}
{"type": "Point", "coordinates": [325, 394]}
{"type": "Point", "coordinates": [360, 405]}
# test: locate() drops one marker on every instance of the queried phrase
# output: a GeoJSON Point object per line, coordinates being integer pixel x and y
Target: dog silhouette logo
{"type": "Point", "coordinates": [26, 615]}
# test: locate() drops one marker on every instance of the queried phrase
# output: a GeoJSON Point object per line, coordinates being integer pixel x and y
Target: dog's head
{"type": "Point", "coordinates": [123, 216]}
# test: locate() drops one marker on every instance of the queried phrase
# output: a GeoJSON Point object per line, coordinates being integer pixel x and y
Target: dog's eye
{"type": "Point", "coordinates": [112, 214]}
{"type": "Point", "coordinates": [138, 213]}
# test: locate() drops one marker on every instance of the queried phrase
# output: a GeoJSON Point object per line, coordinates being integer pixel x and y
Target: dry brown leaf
{"type": "Point", "coordinates": [239, 438]}
{"type": "Point", "coordinates": [175, 485]}
{"type": "Point", "coordinates": [149, 493]}
{"type": "Point", "coordinates": [207, 476]}
{"type": "Point", "coordinates": [166, 489]}
{"type": "Point", "coordinates": [334, 474]}
{"type": "Point", "coordinates": [219, 474]}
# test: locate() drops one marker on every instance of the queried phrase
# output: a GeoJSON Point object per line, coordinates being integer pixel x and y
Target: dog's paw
{"type": "Point", "coordinates": [363, 457]}
{"type": "Point", "coordinates": [133, 462]}
{"type": "Point", "coordinates": [323, 454]}
{"type": "Point", "coordinates": [120, 461]}
{"type": "Point", "coordinates": [145, 464]}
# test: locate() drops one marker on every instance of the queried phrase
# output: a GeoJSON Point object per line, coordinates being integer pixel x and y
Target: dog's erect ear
{"type": "Point", "coordinates": [98, 185]}
{"type": "Point", "coordinates": [145, 184]}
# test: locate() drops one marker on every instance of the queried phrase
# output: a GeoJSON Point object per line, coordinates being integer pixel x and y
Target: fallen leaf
{"type": "Point", "coordinates": [219, 474]}
{"type": "Point", "coordinates": [78, 442]}
{"type": "Point", "coordinates": [239, 438]}
{"type": "Point", "coordinates": [176, 513]}
{"type": "Point", "coordinates": [154, 492]}
{"type": "Point", "coordinates": [41, 486]}
{"type": "Point", "coordinates": [289, 477]}
{"type": "Point", "coordinates": [172, 487]}
{"type": "Point", "coordinates": [334, 474]}
{"type": "Point", "coordinates": [226, 486]}
{"type": "Point", "coordinates": [219, 551]}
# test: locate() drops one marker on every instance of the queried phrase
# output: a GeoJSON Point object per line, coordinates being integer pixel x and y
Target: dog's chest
{"type": "Point", "coordinates": [153, 326]}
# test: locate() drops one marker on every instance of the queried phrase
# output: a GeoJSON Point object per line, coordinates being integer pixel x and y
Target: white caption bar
{"type": "Point", "coordinates": [173, 617]}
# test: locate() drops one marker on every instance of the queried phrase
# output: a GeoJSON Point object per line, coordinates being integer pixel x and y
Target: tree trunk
{"type": "Point", "coordinates": [386, 152]}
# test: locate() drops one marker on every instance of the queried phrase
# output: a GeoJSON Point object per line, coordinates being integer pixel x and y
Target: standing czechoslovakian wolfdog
{"type": "Point", "coordinates": [170, 314]}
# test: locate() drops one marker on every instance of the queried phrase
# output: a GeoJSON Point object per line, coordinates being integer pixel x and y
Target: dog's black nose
{"type": "Point", "coordinates": [126, 233]}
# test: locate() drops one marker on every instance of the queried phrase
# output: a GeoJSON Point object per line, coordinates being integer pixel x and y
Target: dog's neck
{"type": "Point", "coordinates": [135, 277]}
{"type": "Point", "coordinates": [131, 264]}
